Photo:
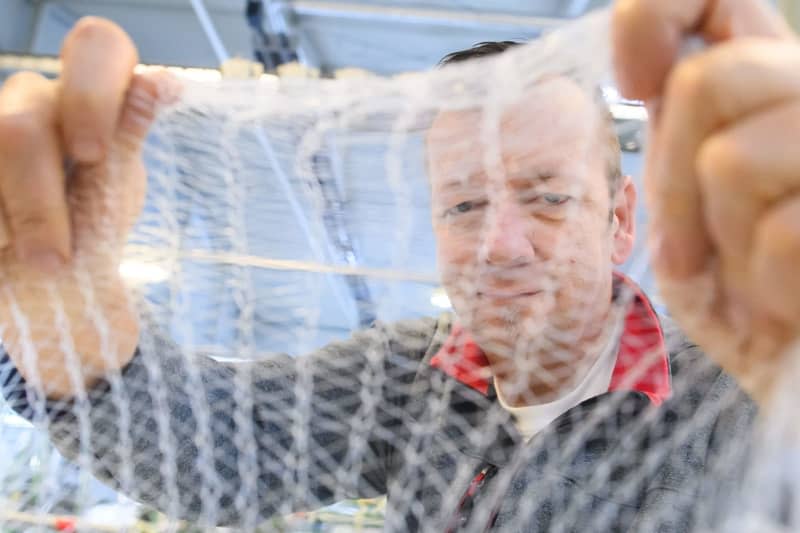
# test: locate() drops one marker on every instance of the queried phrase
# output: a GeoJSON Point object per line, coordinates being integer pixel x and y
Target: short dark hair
{"type": "Point", "coordinates": [613, 160]}
{"type": "Point", "coordinates": [484, 49]}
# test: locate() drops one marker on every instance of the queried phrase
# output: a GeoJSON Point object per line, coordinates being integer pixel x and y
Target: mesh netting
{"type": "Point", "coordinates": [280, 217]}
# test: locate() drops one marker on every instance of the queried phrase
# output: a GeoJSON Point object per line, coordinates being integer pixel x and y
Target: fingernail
{"type": "Point", "coordinates": [45, 261]}
{"type": "Point", "coordinates": [87, 150]}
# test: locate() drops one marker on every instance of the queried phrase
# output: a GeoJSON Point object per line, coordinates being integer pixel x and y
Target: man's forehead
{"type": "Point", "coordinates": [551, 98]}
{"type": "Point", "coordinates": [549, 124]}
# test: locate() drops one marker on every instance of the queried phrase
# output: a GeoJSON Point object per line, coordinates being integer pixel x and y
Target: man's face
{"type": "Point", "coordinates": [521, 214]}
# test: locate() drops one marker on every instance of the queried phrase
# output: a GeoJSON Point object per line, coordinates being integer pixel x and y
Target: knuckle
{"type": "Point", "coordinates": [778, 234]}
{"type": "Point", "coordinates": [19, 132]}
{"type": "Point", "coordinates": [628, 13]}
{"type": "Point", "coordinates": [35, 212]}
{"type": "Point", "coordinates": [27, 222]}
{"type": "Point", "coordinates": [142, 98]}
{"type": "Point", "coordinates": [690, 81]}
{"type": "Point", "coordinates": [139, 111]}
{"type": "Point", "coordinates": [722, 164]}
{"type": "Point", "coordinates": [774, 261]}
{"type": "Point", "coordinates": [23, 81]}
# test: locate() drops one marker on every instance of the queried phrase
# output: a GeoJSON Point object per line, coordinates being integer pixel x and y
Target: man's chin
{"type": "Point", "coordinates": [508, 339]}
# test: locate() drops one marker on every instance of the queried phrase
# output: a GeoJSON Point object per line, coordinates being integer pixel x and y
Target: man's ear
{"type": "Point", "coordinates": [623, 221]}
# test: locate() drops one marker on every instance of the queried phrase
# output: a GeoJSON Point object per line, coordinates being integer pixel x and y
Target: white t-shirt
{"type": "Point", "coordinates": [533, 418]}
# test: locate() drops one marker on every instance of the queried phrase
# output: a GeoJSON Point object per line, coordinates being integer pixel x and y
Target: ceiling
{"type": "Point", "coordinates": [380, 36]}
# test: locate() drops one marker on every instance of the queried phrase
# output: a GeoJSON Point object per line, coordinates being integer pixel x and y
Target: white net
{"type": "Point", "coordinates": [280, 217]}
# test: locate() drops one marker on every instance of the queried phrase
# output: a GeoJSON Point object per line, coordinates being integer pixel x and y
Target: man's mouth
{"type": "Point", "coordinates": [508, 294]}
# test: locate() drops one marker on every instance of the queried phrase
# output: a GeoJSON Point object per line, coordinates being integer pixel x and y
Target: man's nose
{"type": "Point", "coordinates": [506, 241]}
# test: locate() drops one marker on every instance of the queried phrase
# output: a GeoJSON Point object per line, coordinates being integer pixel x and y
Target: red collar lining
{"type": "Point", "coordinates": [642, 360]}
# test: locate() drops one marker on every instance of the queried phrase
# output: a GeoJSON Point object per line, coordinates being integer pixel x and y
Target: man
{"type": "Point", "coordinates": [442, 441]}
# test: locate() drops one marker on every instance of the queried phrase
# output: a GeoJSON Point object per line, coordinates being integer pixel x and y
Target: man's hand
{"type": "Point", "coordinates": [722, 173]}
{"type": "Point", "coordinates": [72, 183]}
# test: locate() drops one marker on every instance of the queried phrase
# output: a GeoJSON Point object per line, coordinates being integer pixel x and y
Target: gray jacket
{"type": "Point", "coordinates": [234, 443]}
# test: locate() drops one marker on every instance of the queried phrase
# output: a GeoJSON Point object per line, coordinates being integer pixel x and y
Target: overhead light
{"type": "Point", "coordinates": [628, 112]}
{"type": "Point", "coordinates": [141, 273]}
{"type": "Point", "coordinates": [439, 299]}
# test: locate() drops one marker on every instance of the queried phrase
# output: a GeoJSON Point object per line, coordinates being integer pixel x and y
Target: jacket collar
{"type": "Point", "coordinates": [642, 358]}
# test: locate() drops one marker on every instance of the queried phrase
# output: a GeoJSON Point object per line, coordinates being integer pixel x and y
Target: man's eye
{"type": "Point", "coordinates": [554, 199]}
{"type": "Point", "coordinates": [463, 207]}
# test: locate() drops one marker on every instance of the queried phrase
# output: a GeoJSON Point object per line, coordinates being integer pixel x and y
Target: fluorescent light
{"type": "Point", "coordinates": [628, 112]}
{"type": "Point", "coordinates": [439, 299]}
{"type": "Point", "coordinates": [140, 272]}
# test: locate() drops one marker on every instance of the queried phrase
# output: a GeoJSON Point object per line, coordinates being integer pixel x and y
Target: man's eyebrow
{"type": "Point", "coordinates": [526, 180]}
{"type": "Point", "coordinates": [477, 180]}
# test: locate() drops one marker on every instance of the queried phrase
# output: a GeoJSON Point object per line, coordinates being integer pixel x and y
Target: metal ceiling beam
{"type": "Point", "coordinates": [215, 6]}
{"type": "Point", "coordinates": [423, 16]}
{"type": "Point", "coordinates": [280, 22]}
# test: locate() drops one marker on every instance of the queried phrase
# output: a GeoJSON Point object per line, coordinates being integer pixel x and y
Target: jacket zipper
{"type": "Point", "coordinates": [459, 517]}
